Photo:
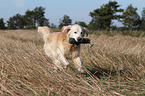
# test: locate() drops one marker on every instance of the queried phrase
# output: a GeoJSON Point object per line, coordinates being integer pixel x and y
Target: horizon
{"type": "Point", "coordinates": [55, 10]}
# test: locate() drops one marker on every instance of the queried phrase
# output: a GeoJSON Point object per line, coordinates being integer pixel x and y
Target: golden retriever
{"type": "Point", "coordinates": [58, 48]}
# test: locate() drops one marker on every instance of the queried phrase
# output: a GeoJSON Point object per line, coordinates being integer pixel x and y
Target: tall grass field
{"type": "Point", "coordinates": [114, 66]}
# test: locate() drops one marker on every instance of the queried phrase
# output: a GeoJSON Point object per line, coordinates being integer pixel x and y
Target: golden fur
{"type": "Point", "coordinates": [58, 48]}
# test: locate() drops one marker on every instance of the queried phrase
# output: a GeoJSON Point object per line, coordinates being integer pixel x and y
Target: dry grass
{"type": "Point", "coordinates": [114, 66]}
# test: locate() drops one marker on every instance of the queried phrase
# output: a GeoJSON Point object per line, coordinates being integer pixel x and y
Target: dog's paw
{"type": "Point", "coordinates": [81, 70]}
{"type": "Point", "coordinates": [65, 66]}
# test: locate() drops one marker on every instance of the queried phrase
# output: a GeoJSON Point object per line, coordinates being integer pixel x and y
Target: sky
{"type": "Point", "coordinates": [77, 10]}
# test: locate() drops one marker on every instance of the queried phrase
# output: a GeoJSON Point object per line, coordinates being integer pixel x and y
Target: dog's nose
{"type": "Point", "coordinates": [79, 39]}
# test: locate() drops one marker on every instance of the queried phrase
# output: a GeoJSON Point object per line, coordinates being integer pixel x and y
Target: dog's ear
{"type": "Point", "coordinates": [66, 28]}
{"type": "Point", "coordinates": [63, 28]}
{"type": "Point", "coordinates": [86, 31]}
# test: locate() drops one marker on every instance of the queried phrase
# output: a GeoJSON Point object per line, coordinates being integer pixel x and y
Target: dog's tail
{"type": "Point", "coordinates": [44, 32]}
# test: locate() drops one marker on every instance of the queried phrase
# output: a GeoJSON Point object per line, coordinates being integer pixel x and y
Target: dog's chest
{"type": "Point", "coordinates": [71, 49]}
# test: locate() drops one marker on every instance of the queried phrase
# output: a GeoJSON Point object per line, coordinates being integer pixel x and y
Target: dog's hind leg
{"type": "Point", "coordinates": [63, 60]}
{"type": "Point", "coordinates": [57, 63]}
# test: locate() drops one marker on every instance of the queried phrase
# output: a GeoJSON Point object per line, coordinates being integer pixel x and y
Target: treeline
{"type": "Point", "coordinates": [102, 19]}
{"type": "Point", "coordinates": [30, 20]}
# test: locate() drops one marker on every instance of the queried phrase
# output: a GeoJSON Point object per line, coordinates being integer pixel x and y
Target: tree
{"type": "Point", "coordinates": [53, 26]}
{"type": "Point", "coordinates": [39, 17]}
{"type": "Point", "coordinates": [142, 26]}
{"type": "Point", "coordinates": [2, 24]}
{"type": "Point", "coordinates": [15, 22]}
{"type": "Point", "coordinates": [31, 19]}
{"type": "Point", "coordinates": [102, 17]}
{"type": "Point", "coordinates": [83, 24]}
{"type": "Point", "coordinates": [65, 21]}
{"type": "Point", "coordinates": [131, 18]}
{"type": "Point", "coordinates": [36, 18]}
{"type": "Point", "coordinates": [11, 23]}
{"type": "Point", "coordinates": [143, 14]}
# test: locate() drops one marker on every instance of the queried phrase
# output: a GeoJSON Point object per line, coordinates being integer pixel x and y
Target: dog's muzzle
{"type": "Point", "coordinates": [79, 39]}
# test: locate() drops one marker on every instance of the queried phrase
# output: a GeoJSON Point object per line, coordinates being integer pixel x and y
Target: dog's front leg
{"type": "Point", "coordinates": [77, 60]}
{"type": "Point", "coordinates": [54, 56]}
{"type": "Point", "coordinates": [78, 64]}
{"type": "Point", "coordinates": [61, 58]}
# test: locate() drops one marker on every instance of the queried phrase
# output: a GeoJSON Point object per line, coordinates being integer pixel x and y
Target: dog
{"type": "Point", "coordinates": [58, 48]}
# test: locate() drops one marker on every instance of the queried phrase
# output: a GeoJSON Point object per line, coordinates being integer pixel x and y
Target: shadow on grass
{"type": "Point", "coordinates": [102, 72]}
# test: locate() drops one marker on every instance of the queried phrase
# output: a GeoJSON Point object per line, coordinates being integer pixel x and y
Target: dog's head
{"type": "Point", "coordinates": [75, 31]}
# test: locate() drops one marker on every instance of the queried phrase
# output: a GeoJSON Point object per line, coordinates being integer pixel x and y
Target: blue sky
{"type": "Point", "coordinates": [78, 10]}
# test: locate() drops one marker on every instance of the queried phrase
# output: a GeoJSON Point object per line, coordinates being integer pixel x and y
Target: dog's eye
{"type": "Point", "coordinates": [75, 32]}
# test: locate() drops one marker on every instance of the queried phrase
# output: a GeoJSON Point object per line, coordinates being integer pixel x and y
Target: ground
{"type": "Point", "coordinates": [115, 65]}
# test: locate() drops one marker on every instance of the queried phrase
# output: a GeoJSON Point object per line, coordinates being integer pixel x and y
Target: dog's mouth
{"type": "Point", "coordinates": [79, 40]}
{"type": "Point", "coordinates": [74, 41]}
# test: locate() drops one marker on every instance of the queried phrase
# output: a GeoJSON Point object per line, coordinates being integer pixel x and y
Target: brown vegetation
{"type": "Point", "coordinates": [114, 66]}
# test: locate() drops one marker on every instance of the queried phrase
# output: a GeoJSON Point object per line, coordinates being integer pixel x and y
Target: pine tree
{"type": "Point", "coordinates": [2, 24]}
{"type": "Point", "coordinates": [13, 22]}
{"type": "Point", "coordinates": [30, 20]}
{"type": "Point", "coordinates": [65, 21]}
{"type": "Point", "coordinates": [102, 17]}
{"type": "Point", "coordinates": [131, 18]}
{"type": "Point", "coordinates": [143, 20]}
